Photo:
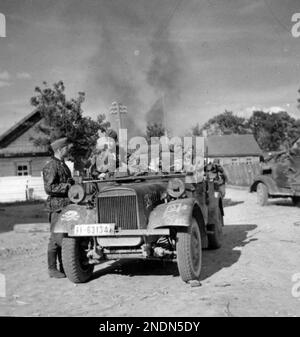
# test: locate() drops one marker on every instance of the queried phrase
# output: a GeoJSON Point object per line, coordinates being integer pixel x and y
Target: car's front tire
{"type": "Point", "coordinates": [189, 252]}
{"type": "Point", "coordinates": [262, 194]}
{"type": "Point", "coordinates": [75, 261]}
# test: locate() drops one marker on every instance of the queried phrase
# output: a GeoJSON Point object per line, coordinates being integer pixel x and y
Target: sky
{"type": "Point", "coordinates": [201, 57]}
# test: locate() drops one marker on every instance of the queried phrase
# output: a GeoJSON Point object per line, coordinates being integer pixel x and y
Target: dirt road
{"type": "Point", "coordinates": [250, 275]}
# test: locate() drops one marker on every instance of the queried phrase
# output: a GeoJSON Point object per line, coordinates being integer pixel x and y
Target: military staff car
{"type": "Point", "coordinates": [160, 216]}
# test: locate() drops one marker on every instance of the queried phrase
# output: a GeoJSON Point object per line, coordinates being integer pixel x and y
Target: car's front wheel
{"type": "Point", "coordinates": [75, 261]}
{"type": "Point", "coordinates": [189, 252]}
{"type": "Point", "coordinates": [262, 194]}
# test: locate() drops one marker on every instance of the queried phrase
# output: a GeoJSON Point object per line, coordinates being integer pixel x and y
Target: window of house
{"type": "Point", "coordinates": [22, 169]}
{"type": "Point", "coordinates": [248, 160]}
{"type": "Point", "coordinates": [234, 161]}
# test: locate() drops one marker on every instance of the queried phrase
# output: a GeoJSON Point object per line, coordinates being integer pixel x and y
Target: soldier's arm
{"type": "Point", "coordinates": [222, 171]}
{"type": "Point", "coordinates": [53, 188]}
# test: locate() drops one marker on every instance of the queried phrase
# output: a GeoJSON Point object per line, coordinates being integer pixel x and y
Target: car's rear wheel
{"type": "Point", "coordinates": [215, 237]}
{"type": "Point", "coordinates": [75, 261]}
{"type": "Point", "coordinates": [262, 194]}
{"type": "Point", "coordinates": [189, 252]}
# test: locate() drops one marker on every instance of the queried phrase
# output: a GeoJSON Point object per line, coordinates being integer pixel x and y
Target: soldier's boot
{"type": "Point", "coordinates": [54, 273]}
{"type": "Point", "coordinates": [52, 270]}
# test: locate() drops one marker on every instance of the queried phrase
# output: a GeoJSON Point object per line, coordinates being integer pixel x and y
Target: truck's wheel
{"type": "Point", "coordinates": [75, 261]}
{"type": "Point", "coordinates": [215, 238]}
{"type": "Point", "coordinates": [189, 252]}
{"type": "Point", "coordinates": [262, 194]}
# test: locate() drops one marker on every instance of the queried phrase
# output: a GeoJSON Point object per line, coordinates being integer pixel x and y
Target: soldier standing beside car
{"type": "Point", "coordinates": [57, 182]}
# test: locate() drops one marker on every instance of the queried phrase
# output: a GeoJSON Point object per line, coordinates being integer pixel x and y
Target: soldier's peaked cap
{"type": "Point", "coordinates": [60, 143]}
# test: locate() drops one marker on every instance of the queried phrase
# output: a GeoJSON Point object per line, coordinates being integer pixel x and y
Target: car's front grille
{"type": "Point", "coordinates": [118, 209]}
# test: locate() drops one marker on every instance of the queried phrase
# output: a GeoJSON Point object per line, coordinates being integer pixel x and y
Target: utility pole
{"type": "Point", "coordinates": [164, 114]}
{"type": "Point", "coordinates": [118, 109]}
{"type": "Point", "coordinates": [205, 147]}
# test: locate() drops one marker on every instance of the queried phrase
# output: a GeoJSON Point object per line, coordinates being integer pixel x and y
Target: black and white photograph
{"type": "Point", "coordinates": [149, 161]}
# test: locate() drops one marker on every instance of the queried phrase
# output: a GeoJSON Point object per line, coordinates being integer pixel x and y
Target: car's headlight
{"type": "Point", "coordinates": [76, 193]}
{"type": "Point", "coordinates": [176, 187]}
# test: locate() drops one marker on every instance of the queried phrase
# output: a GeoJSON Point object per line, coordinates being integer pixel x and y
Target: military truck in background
{"type": "Point", "coordinates": [279, 177]}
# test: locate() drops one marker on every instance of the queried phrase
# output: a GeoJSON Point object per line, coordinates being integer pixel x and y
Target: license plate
{"type": "Point", "coordinates": [94, 229]}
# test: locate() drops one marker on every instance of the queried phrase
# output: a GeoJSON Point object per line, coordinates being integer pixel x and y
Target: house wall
{"type": "Point", "coordinates": [237, 160]}
{"type": "Point", "coordinates": [8, 166]}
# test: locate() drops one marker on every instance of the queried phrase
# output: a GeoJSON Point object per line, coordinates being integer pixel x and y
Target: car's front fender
{"type": "Point", "coordinates": [74, 215]}
{"type": "Point", "coordinates": [268, 181]}
{"type": "Point", "coordinates": [176, 213]}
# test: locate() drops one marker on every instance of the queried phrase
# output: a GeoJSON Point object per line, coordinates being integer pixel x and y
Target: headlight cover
{"type": "Point", "coordinates": [76, 194]}
{"type": "Point", "coordinates": [176, 187]}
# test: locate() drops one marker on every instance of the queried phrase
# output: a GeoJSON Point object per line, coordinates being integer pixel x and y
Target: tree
{"type": "Point", "coordinates": [225, 123]}
{"type": "Point", "coordinates": [298, 99]}
{"type": "Point", "coordinates": [63, 117]}
{"type": "Point", "coordinates": [154, 130]}
{"type": "Point", "coordinates": [274, 131]}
